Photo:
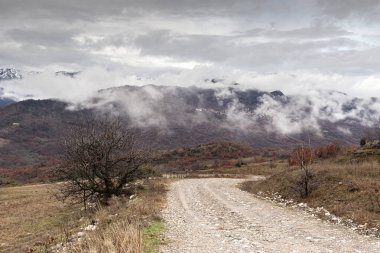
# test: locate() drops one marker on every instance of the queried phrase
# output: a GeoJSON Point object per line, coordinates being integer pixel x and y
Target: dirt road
{"type": "Point", "coordinates": [212, 215]}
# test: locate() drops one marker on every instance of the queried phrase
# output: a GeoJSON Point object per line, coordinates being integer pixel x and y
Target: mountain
{"type": "Point", "coordinates": [9, 74]}
{"type": "Point", "coordinates": [66, 73]}
{"type": "Point", "coordinates": [6, 101]}
{"type": "Point", "coordinates": [30, 130]}
{"type": "Point", "coordinates": [173, 117]}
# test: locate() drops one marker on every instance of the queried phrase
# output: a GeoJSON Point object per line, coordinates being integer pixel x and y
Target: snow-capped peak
{"type": "Point", "coordinates": [9, 74]}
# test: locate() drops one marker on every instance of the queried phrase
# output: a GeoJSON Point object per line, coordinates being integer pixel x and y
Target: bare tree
{"type": "Point", "coordinates": [99, 157]}
{"type": "Point", "coordinates": [303, 157]}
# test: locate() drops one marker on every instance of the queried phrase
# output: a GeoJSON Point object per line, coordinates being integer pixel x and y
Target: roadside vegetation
{"type": "Point", "coordinates": [129, 226]}
{"type": "Point", "coordinates": [101, 201]}
{"type": "Point", "coordinates": [32, 220]}
{"type": "Point", "coordinates": [101, 167]}
{"type": "Point", "coordinates": [99, 158]}
{"type": "Point", "coordinates": [346, 182]}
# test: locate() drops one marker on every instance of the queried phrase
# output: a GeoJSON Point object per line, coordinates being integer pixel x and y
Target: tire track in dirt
{"type": "Point", "coordinates": [212, 215]}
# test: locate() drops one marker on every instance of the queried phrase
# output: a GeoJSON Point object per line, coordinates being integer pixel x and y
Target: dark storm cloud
{"type": "Point", "coordinates": [93, 9]}
{"type": "Point", "coordinates": [363, 9]}
{"type": "Point", "coordinates": [42, 37]}
{"type": "Point", "coordinates": [68, 10]}
{"type": "Point", "coordinates": [317, 31]}
{"type": "Point", "coordinates": [172, 41]}
{"type": "Point", "coordinates": [186, 30]}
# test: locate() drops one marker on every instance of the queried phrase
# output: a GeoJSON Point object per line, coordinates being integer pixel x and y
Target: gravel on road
{"type": "Point", "coordinates": [213, 215]}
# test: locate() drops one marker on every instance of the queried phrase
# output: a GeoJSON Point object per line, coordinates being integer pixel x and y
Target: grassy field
{"type": "Point", "coordinates": [250, 168]}
{"type": "Point", "coordinates": [30, 217]}
{"type": "Point", "coordinates": [129, 226]}
{"type": "Point", "coordinates": [32, 220]}
{"type": "Point", "coordinates": [347, 189]}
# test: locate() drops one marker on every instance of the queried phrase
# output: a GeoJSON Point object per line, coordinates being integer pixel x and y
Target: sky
{"type": "Point", "coordinates": [292, 45]}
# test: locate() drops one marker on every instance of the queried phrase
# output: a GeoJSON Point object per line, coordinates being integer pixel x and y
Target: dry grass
{"type": "Point", "coordinates": [264, 168]}
{"type": "Point", "coordinates": [350, 190]}
{"type": "Point", "coordinates": [31, 218]}
{"type": "Point", "coordinates": [122, 224]}
{"type": "Point", "coordinates": [250, 168]}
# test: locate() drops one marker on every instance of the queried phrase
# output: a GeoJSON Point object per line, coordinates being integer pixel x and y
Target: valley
{"type": "Point", "coordinates": [163, 126]}
{"type": "Point", "coordinates": [224, 200]}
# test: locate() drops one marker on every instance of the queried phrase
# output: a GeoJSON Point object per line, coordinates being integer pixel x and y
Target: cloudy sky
{"type": "Point", "coordinates": [291, 45]}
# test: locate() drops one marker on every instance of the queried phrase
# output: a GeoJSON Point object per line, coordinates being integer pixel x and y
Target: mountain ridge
{"type": "Point", "coordinates": [164, 117]}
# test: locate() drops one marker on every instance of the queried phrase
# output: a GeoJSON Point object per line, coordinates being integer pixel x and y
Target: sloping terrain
{"type": "Point", "coordinates": [30, 131]}
{"type": "Point", "coordinates": [166, 118]}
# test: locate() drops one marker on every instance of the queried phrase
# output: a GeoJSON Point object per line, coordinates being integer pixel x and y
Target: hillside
{"type": "Point", "coordinates": [30, 130]}
{"type": "Point", "coordinates": [165, 118]}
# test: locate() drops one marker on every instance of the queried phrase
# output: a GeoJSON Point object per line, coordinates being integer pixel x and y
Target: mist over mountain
{"type": "Point", "coordinates": [206, 109]}
{"type": "Point", "coordinates": [11, 77]}
{"type": "Point", "coordinates": [237, 109]}
{"type": "Point", "coordinates": [5, 75]}
{"type": "Point", "coordinates": [167, 117]}
{"type": "Point", "coordinates": [67, 73]}
{"type": "Point", "coordinates": [268, 73]}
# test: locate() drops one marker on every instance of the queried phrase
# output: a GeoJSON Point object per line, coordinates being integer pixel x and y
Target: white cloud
{"type": "Point", "coordinates": [344, 130]}
{"type": "Point", "coordinates": [308, 51]}
{"type": "Point", "coordinates": [49, 85]}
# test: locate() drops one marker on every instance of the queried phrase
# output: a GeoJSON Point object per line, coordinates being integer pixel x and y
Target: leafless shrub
{"type": "Point", "coordinates": [99, 157]}
{"type": "Point", "coordinates": [303, 157]}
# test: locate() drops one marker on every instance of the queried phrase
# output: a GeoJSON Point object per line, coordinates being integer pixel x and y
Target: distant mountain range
{"type": "Point", "coordinates": [8, 74]}
{"type": "Point", "coordinates": [6, 101]}
{"type": "Point", "coordinates": [172, 117]}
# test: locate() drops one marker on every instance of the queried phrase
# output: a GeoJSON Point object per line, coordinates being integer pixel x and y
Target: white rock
{"type": "Point", "coordinates": [90, 228]}
{"type": "Point", "coordinates": [302, 205]}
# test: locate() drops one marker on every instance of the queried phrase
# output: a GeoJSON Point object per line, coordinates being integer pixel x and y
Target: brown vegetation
{"type": "Point", "coordinates": [350, 190]}
{"type": "Point", "coordinates": [99, 157]}
{"type": "Point", "coordinates": [38, 173]}
{"type": "Point", "coordinates": [307, 155]}
{"type": "Point", "coordinates": [213, 156]}
{"type": "Point", "coordinates": [124, 225]}
{"type": "Point", "coordinates": [31, 218]}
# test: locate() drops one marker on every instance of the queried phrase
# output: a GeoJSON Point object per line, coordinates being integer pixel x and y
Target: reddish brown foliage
{"type": "Point", "coordinates": [301, 156]}
{"type": "Point", "coordinates": [195, 158]}
{"type": "Point", "coordinates": [306, 155]}
{"type": "Point", "coordinates": [27, 174]}
{"type": "Point", "coordinates": [327, 151]}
